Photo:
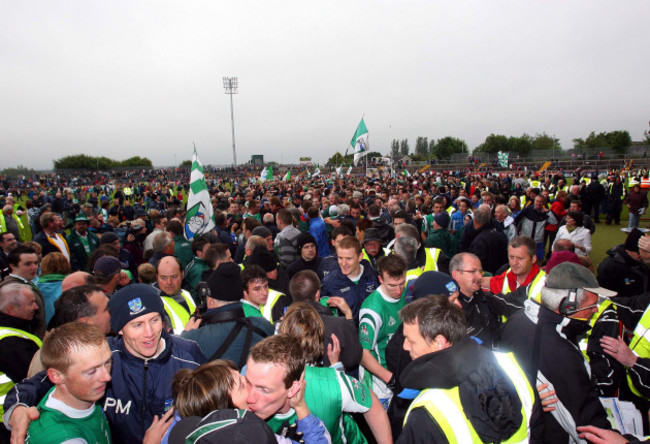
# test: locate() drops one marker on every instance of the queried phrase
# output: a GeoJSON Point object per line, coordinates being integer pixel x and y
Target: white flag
{"type": "Point", "coordinates": [266, 174]}
{"type": "Point", "coordinates": [360, 141]}
{"type": "Point", "coordinates": [200, 214]}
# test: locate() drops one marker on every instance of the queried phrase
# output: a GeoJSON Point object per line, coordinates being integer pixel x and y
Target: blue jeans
{"type": "Point", "coordinates": [634, 220]}
{"type": "Point", "coordinates": [540, 251]}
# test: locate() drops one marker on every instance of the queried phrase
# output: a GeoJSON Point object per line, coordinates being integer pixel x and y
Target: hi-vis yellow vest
{"type": "Point", "coordinates": [445, 407]}
{"type": "Point", "coordinates": [267, 309]}
{"type": "Point", "coordinates": [177, 313]}
{"type": "Point", "coordinates": [640, 344]}
{"type": "Point", "coordinates": [585, 341]}
{"type": "Point", "coordinates": [5, 382]}
{"type": "Point", "coordinates": [431, 263]}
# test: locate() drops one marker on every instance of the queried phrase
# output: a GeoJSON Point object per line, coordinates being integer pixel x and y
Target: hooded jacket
{"type": "Point", "coordinates": [488, 396]}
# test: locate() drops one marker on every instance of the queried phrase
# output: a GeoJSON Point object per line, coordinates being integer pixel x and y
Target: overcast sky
{"type": "Point", "coordinates": [122, 78]}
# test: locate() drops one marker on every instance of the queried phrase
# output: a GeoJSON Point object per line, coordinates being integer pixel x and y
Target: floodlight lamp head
{"type": "Point", "coordinates": [230, 84]}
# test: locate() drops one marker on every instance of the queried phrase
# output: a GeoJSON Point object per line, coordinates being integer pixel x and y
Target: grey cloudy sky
{"type": "Point", "coordinates": [122, 78]}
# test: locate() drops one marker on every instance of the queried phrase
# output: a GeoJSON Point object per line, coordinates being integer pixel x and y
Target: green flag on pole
{"type": "Point", "coordinates": [360, 141]}
{"type": "Point", "coordinates": [200, 214]}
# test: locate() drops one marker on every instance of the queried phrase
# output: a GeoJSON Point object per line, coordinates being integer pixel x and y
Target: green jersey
{"type": "Point", "coordinates": [59, 423]}
{"type": "Point", "coordinates": [427, 224]}
{"type": "Point", "coordinates": [378, 321]}
{"type": "Point", "coordinates": [250, 310]}
{"type": "Point", "coordinates": [329, 394]}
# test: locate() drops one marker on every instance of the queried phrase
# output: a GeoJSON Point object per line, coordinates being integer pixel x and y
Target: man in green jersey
{"type": "Point", "coordinates": [378, 321]}
{"type": "Point", "coordinates": [274, 367]}
{"type": "Point", "coordinates": [78, 362]}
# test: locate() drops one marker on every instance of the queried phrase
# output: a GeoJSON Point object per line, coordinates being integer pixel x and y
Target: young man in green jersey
{"type": "Point", "coordinates": [378, 321]}
{"type": "Point", "coordinates": [274, 367]}
{"type": "Point", "coordinates": [78, 361]}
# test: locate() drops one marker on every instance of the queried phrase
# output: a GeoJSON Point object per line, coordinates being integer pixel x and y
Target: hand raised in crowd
{"type": "Point", "coordinates": [334, 349]}
{"type": "Point", "coordinates": [158, 428]}
{"type": "Point", "coordinates": [297, 401]}
{"type": "Point", "coordinates": [339, 302]}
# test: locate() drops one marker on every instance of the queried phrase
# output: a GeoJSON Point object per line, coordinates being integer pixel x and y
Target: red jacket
{"type": "Point", "coordinates": [496, 283]}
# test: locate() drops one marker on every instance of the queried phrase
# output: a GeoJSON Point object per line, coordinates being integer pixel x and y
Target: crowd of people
{"type": "Point", "coordinates": [441, 307]}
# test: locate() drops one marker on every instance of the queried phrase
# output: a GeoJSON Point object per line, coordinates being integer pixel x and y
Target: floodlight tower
{"type": "Point", "coordinates": [230, 85]}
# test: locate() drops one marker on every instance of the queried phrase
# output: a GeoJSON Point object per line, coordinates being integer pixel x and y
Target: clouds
{"type": "Point", "coordinates": [127, 78]}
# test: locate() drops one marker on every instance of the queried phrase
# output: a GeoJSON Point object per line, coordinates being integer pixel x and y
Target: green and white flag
{"type": "Point", "coordinates": [287, 177]}
{"type": "Point", "coordinates": [316, 172]}
{"type": "Point", "coordinates": [339, 171]}
{"type": "Point", "coordinates": [349, 171]}
{"type": "Point", "coordinates": [266, 174]}
{"type": "Point", "coordinates": [406, 173]}
{"type": "Point", "coordinates": [503, 159]}
{"type": "Point", "coordinates": [200, 214]}
{"type": "Point", "coordinates": [360, 141]}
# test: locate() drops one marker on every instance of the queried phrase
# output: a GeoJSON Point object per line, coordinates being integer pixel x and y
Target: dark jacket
{"type": "Point", "coordinates": [487, 394]}
{"type": "Point", "coordinates": [385, 231]}
{"type": "Point", "coordinates": [443, 239]}
{"type": "Point", "coordinates": [482, 321]}
{"type": "Point", "coordinates": [327, 265]}
{"type": "Point", "coordinates": [491, 247]}
{"type": "Point", "coordinates": [346, 332]}
{"type": "Point", "coordinates": [17, 352]}
{"type": "Point", "coordinates": [138, 390]}
{"type": "Point", "coordinates": [38, 324]}
{"type": "Point", "coordinates": [546, 346]}
{"type": "Point", "coordinates": [78, 255]}
{"type": "Point", "coordinates": [469, 233]}
{"type": "Point", "coordinates": [620, 273]}
{"type": "Point", "coordinates": [337, 284]}
{"type": "Point", "coordinates": [41, 238]}
{"type": "Point", "coordinates": [636, 201]}
{"type": "Point", "coordinates": [301, 264]}
{"type": "Point", "coordinates": [216, 326]}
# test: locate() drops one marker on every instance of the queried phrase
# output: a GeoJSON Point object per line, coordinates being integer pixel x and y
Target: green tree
{"type": "Point", "coordinates": [404, 147]}
{"type": "Point", "coordinates": [186, 163]}
{"type": "Point", "coordinates": [447, 146]}
{"type": "Point", "coordinates": [138, 161]}
{"type": "Point", "coordinates": [545, 142]}
{"type": "Point", "coordinates": [617, 140]}
{"type": "Point", "coordinates": [339, 159]}
{"type": "Point", "coordinates": [493, 144]}
{"type": "Point", "coordinates": [520, 145]}
{"type": "Point", "coordinates": [422, 146]}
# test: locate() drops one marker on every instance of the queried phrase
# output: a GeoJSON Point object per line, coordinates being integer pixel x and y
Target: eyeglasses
{"type": "Point", "coordinates": [479, 271]}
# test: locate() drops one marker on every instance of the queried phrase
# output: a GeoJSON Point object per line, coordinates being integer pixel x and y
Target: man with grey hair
{"type": "Point", "coordinates": [429, 259]}
{"type": "Point", "coordinates": [481, 314]}
{"type": "Point", "coordinates": [162, 245]}
{"type": "Point", "coordinates": [407, 248]}
{"type": "Point", "coordinates": [544, 339]}
{"type": "Point", "coordinates": [18, 343]}
{"type": "Point", "coordinates": [11, 223]}
{"type": "Point", "coordinates": [502, 215]}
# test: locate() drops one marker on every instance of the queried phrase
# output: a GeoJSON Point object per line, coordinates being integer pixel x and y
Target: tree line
{"type": "Point", "coordinates": [83, 161]}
